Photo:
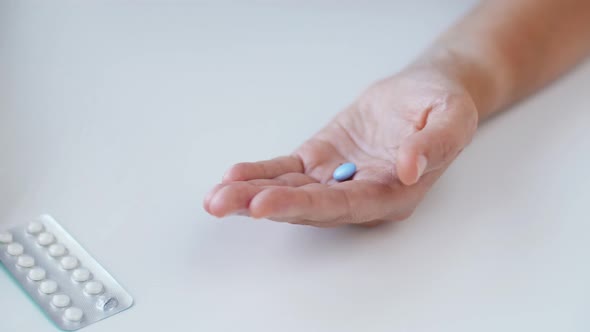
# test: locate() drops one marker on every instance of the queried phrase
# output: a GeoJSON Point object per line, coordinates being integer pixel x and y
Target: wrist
{"type": "Point", "coordinates": [478, 79]}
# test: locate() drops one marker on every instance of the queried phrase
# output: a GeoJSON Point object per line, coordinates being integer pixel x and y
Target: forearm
{"type": "Point", "coordinates": [505, 49]}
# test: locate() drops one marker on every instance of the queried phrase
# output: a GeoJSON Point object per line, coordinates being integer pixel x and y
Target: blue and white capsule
{"type": "Point", "coordinates": [344, 172]}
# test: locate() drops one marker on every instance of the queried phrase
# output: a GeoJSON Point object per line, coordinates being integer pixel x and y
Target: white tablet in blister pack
{"type": "Point", "coordinates": [59, 275]}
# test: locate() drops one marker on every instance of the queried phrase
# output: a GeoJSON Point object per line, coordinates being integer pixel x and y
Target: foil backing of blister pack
{"type": "Point", "coordinates": [89, 297]}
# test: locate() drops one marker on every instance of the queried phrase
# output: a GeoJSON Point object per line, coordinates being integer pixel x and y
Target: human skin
{"type": "Point", "coordinates": [405, 130]}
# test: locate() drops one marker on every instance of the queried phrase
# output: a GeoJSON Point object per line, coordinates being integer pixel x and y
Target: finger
{"type": "Point", "coordinates": [210, 194]}
{"type": "Point", "coordinates": [348, 202]}
{"type": "Point", "coordinates": [266, 169]}
{"type": "Point", "coordinates": [232, 198]}
{"type": "Point", "coordinates": [446, 133]}
{"type": "Point", "coordinates": [289, 179]}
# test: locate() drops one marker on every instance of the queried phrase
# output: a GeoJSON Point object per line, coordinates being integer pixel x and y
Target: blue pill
{"type": "Point", "coordinates": [344, 172]}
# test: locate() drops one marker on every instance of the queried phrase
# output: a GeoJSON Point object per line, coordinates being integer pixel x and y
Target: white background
{"type": "Point", "coordinates": [117, 117]}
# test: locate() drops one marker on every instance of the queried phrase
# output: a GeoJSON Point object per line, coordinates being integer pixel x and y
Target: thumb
{"type": "Point", "coordinates": [446, 133]}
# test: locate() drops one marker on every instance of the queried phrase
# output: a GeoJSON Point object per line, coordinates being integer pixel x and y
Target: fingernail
{"type": "Point", "coordinates": [422, 162]}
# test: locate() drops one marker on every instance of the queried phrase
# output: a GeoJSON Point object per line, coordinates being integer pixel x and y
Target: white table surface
{"type": "Point", "coordinates": [118, 116]}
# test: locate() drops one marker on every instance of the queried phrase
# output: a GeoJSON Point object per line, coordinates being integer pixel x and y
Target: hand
{"type": "Point", "coordinates": [402, 133]}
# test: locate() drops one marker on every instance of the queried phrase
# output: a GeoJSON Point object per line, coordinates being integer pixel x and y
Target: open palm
{"type": "Point", "coordinates": [401, 133]}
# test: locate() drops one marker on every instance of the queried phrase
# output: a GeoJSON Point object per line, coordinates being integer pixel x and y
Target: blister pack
{"type": "Point", "coordinates": [68, 284]}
